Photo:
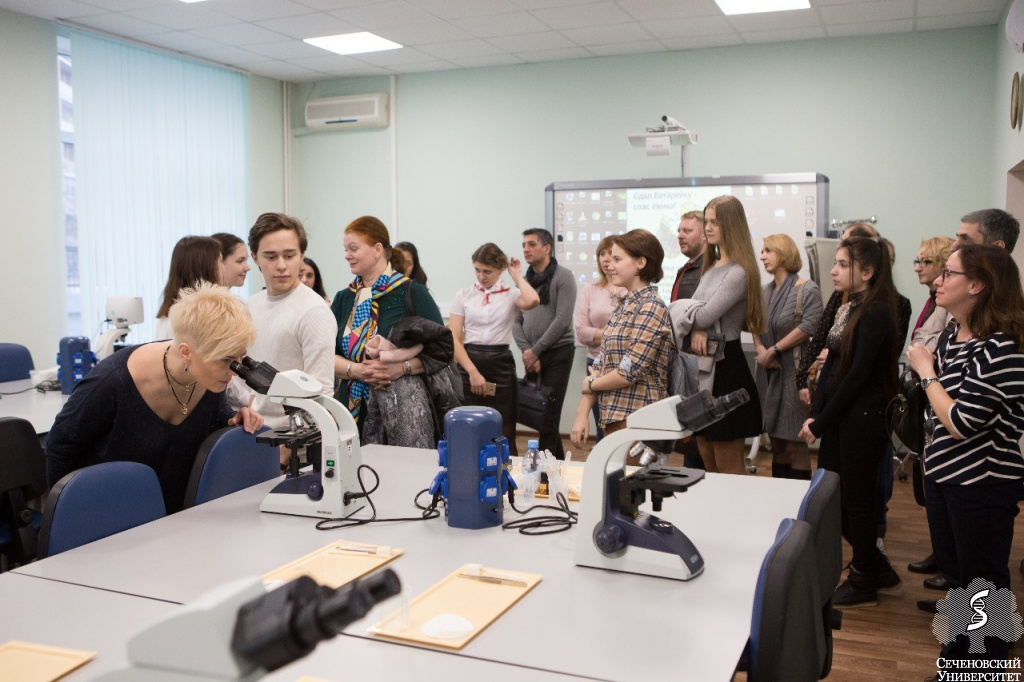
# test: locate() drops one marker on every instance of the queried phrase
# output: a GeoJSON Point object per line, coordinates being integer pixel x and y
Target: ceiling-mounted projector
{"type": "Point", "coordinates": [675, 131]}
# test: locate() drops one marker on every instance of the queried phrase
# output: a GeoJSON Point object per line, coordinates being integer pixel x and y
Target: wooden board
{"type": "Point", "coordinates": [333, 566]}
{"type": "Point", "coordinates": [573, 475]}
{"type": "Point", "coordinates": [27, 662]}
{"type": "Point", "coordinates": [478, 601]}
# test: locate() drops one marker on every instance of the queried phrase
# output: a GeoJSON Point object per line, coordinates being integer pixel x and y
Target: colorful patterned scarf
{"type": "Point", "coordinates": [364, 326]}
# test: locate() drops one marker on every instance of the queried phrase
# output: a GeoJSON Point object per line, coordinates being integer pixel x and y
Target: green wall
{"type": "Point", "coordinates": [32, 305]}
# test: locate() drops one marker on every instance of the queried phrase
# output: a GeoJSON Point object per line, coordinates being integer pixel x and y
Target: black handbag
{"type": "Point", "coordinates": [906, 413]}
{"type": "Point", "coordinates": [535, 401]}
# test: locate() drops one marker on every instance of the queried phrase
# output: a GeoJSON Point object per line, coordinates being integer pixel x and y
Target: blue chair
{"type": "Point", "coordinates": [230, 460]}
{"type": "Point", "coordinates": [15, 362]}
{"type": "Point", "coordinates": [22, 478]}
{"type": "Point", "coordinates": [97, 501]}
{"type": "Point", "coordinates": [786, 641]}
{"type": "Point", "coordinates": [821, 509]}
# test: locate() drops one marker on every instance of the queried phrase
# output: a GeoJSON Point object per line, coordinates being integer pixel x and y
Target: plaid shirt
{"type": "Point", "coordinates": [637, 343]}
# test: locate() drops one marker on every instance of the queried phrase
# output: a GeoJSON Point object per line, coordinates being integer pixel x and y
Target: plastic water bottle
{"type": "Point", "coordinates": [531, 461]}
{"type": "Point", "coordinates": [531, 471]}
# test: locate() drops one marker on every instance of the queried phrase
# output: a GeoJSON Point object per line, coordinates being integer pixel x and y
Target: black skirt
{"type": "Point", "coordinates": [733, 373]}
{"type": "Point", "coordinates": [499, 367]}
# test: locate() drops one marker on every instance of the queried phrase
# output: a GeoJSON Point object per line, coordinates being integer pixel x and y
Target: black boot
{"type": "Point", "coordinates": [886, 578]}
{"type": "Point", "coordinates": [781, 470]}
{"type": "Point", "coordinates": [926, 565]}
{"type": "Point", "coordinates": [800, 474]}
{"type": "Point", "coordinates": [857, 590]}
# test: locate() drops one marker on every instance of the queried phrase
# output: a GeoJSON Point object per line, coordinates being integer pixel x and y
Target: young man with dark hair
{"type": "Point", "coordinates": [544, 334]}
{"type": "Point", "coordinates": [294, 327]}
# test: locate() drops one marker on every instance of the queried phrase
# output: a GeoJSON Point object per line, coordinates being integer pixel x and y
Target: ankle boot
{"type": "Point", "coordinates": [857, 590]}
{"type": "Point", "coordinates": [781, 470]}
{"type": "Point", "coordinates": [886, 578]}
{"type": "Point", "coordinates": [800, 474]}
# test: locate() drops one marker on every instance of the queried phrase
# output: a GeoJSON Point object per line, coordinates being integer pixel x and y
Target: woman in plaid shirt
{"type": "Point", "coordinates": [631, 370]}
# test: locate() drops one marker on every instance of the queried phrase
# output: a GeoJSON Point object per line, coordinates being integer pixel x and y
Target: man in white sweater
{"type": "Point", "coordinates": [294, 327]}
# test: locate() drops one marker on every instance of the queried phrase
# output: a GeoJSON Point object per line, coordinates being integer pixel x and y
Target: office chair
{"type": "Point", "coordinates": [15, 362]}
{"type": "Point", "coordinates": [230, 460]}
{"type": "Point", "coordinates": [786, 642]}
{"type": "Point", "coordinates": [22, 478]}
{"type": "Point", "coordinates": [96, 501]}
{"type": "Point", "coordinates": [821, 509]}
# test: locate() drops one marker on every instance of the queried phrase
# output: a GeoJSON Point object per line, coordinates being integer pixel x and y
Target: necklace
{"type": "Point", "coordinates": [188, 387]}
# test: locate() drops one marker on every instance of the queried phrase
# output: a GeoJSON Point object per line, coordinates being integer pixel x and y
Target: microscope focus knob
{"type": "Point", "coordinates": [329, 473]}
{"type": "Point", "coordinates": [315, 491]}
{"type": "Point", "coordinates": [610, 539]}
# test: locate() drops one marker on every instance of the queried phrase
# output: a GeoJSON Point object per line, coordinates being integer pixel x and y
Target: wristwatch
{"type": "Point", "coordinates": [590, 384]}
{"type": "Point", "coordinates": [408, 368]}
{"type": "Point", "coordinates": [925, 383]}
{"type": "Point", "coordinates": [776, 348]}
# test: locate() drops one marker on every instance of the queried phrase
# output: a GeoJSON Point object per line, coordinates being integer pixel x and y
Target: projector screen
{"type": "Point", "coordinates": [580, 214]}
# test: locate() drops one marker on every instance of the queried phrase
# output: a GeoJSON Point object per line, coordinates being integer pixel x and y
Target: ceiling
{"type": "Point", "coordinates": [265, 36]}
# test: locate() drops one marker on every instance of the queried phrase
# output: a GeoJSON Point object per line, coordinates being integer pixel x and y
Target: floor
{"type": "Point", "coordinates": [892, 641]}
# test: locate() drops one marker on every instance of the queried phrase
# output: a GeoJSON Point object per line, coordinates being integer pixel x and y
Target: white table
{"type": "Point", "coordinates": [76, 617]}
{"type": "Point", "coordinates": [580, 621]}
{"type": "Point", "coordinates": [38, 408]}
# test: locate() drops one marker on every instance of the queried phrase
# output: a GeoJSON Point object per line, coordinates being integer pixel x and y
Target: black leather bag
{"type": "Point", "coordinates": [534, 402]}
{"type": "Point", "coordinates": [906, 413]}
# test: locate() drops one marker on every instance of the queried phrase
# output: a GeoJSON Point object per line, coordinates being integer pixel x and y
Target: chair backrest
{"type": "Point", "coordinates": [230, 460]}
{"type": "Point", "coordinates": [97, 501]}
{"type": "Point", "coordinates": [786, 639]}
{"type": "Point", "coordinates": [22, 478]}
{"type": "Point", "coordinates": [15, 362]}
{"type": "Point", "coordinates": [821, 509]}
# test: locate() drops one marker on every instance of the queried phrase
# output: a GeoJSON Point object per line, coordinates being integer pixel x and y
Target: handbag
{"type": "Point", "coordinates": [535, 401]}
{"type": "Point", "coordinates": [905, 413]}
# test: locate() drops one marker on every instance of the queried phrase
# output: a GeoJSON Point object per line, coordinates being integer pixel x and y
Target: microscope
{"type": "Point", "coordinates": [331, 489]}
{"type": "Point", "coordinates": [239, 631]}
{"type": "Point", "coordinates": [613, 532]}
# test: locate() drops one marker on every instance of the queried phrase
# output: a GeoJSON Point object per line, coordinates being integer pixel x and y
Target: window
{"type": "Point", "coordinates": [154, 148]}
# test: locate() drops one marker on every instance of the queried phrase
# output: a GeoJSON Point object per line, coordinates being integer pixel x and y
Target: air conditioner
{"type": "Point", "coordinates": [343, 113]}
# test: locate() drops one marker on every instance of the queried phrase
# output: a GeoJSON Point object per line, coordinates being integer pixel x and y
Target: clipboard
{"type": "Point", "coordinates": [475, 598]}
{"type": "Point", "coordinates": [28, 662]}
{"type": "Point", "coordinates": [337, 564]}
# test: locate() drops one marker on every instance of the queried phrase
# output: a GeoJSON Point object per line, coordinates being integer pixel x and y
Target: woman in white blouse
{"type": "Point", "coordinates": [593, 310]}
{"type": "Point", "coordinates": [481, 322]}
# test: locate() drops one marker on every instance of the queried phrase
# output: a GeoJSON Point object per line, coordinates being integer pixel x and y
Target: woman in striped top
{"type": "Point", "coordinates": [972, 460]}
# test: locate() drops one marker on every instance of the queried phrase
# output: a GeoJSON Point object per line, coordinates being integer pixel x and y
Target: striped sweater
{"type": "Point", "coordinates": [985, 378]}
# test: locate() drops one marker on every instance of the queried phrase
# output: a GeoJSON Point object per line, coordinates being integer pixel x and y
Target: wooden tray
{"type": "Point", "coordinates": [478, 601]}
{"type": "Point", "coordinates": [27, 662]}
{"type": "Point", "coordinates": [333, 566]}
{"type": "Point", "coordinates": [573, 475]}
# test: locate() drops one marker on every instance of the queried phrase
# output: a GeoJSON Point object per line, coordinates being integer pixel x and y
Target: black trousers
{"type": "Point", "coordinates": [852, 448]}
{"type": "Point", "coordinates": [555, 367]}
{"type": "Point", "coordinates": [972, 529]}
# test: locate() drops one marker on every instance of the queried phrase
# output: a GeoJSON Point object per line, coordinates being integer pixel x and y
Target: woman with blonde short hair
{"type": "Point", "coordinates": [156, 403]}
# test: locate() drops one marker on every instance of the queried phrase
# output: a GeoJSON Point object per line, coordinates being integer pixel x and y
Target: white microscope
{"type": "Point", "coordinates": [331, 489]}
{"type": "Point", "coordinates": [239, 631]}
{"type": "Point", "coordinates": [613, 532]}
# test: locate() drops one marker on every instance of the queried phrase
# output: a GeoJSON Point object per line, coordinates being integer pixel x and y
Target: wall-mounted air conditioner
{"type": "Point", "coordinates": [343, 113]}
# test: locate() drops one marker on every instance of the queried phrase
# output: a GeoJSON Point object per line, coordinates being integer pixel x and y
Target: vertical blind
{"type": "Point", "coordinates": [160, 150]}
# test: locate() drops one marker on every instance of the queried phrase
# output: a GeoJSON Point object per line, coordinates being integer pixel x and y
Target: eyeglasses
{"type": "Point", "coordinates": [922, 262]}
{"type": "Point", "coordinates": [946, 272]}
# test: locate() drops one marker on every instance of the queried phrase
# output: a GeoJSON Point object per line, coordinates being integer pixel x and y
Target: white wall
{"type": "Point", "coordinates": [32, 279]}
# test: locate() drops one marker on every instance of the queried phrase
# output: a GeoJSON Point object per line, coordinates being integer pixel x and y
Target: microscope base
{"type": "Point", "coordinates": [292, 496]}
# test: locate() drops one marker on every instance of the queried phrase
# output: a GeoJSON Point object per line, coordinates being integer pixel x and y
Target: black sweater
{"type": "Point", "coordinates": [874, 358]}
{"type": "Point", "coordinates": [107, 420]}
